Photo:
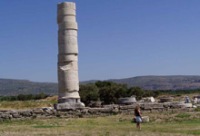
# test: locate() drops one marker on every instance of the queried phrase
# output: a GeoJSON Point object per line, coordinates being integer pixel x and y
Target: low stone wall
{"type": "Point", "coordinates": [85, 112]}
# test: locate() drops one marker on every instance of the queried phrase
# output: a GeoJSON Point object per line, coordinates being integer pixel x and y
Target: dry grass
{"type": "Point", "coordinates": [118, 125]}
{"type": "Point", "coordinates": [166, 123]}
{"type": "Point", "coordinates": [48, 102]}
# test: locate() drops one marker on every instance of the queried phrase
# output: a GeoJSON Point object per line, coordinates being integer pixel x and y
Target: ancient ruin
{"type": "Point", "coordinates": [68, 81]}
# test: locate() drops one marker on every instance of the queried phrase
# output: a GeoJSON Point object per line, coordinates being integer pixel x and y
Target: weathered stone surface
{"type": "Point", "coordinates": [66, 12]}
{"type": "Point", "coordinates": [100, 110]}
{"type": "Point", "coordinates": [127, 107]}
{"type": "Point", "coordinates": [5, 115]}
{"type": "Point", "coordinates": [50, 112]}
{"type": "Point", "coordinates": [95, 104]}
{"type": "Point", "coordinates": [180, 105]}
{"type": "Point", "coordinates": [127, 100]}
{"type": "Point", "coordinates": [26, 113]}
{"type": "Point", "coordinates": [111, 106]}
{"type": "Point", "coordinates": [68, 81]}
{"type": "Point", "coordinates": [145, 119]}
{"type": "Point", "coordinates": [150, 106]}
{"type": "Point", "coordinates": [38, 111]}
{"type": "Point", "coordinates": [15, 114]}
{"type": "Point", "coordinates": [68, 105]}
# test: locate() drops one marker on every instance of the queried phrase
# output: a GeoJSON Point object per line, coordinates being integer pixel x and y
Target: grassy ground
{"type": "Point", "coordinates": [48, 102]}
{"type": "Point", "coordinates": [168, 123]}
{"type": "Point", "coordinates": [181, 124]}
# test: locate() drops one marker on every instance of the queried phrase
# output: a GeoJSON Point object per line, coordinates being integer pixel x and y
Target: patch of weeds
{"type": "Point", "coordinates": [197, 109]}
{"type": "Point", "coordinates": [46, 126]}
{"type": "Point", "coordinates": [87, 135]}
{"type": "Point", "coordinates": [91, 122]}
{"type": "Point", "coordinates": [34, 117]}
{"type": "Point", "coordinates": [58, 115]}
{"type": "Point", "coordinates": [192, 122]}
{"type": "Point", "coordinates": [193, 132]}
{"type": "Point", "coordinates": [107, 134]}
{"type": "Point", "coordinates": [183, 115]}
{"type": "Point", "coordinates": [6, 121]}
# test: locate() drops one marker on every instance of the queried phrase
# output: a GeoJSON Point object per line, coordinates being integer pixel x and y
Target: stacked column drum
{"type": "Point", "coordinates": [68, 81]}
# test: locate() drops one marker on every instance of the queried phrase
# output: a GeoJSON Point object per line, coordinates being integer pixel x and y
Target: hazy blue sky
{"type": "Point", "coordinates": [117, 38]}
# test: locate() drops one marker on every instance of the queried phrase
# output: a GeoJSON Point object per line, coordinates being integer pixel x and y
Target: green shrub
{"type": "Point", "coordinates": [183, 115]}
{"type": "Point", "coordinates": [197, 109]}
{"type": "Point", "coordinates": [24, 97]}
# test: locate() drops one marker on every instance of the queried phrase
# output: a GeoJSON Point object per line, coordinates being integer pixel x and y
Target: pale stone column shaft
{"type": "Point", "coordinates": [68, 81]}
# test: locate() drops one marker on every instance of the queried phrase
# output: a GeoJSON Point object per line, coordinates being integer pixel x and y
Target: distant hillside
{"type": "Point", "coordinates": [162, 82]}
{"type": "Point", "coordinates": [15, 87]}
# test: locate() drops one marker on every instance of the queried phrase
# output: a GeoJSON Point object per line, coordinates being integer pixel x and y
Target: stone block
{"type": "Point", "coordinates": [15, 115]}
{"type": "Point", "coordinates": [63, 58]}
{"type": "Point", "coordinates": [69, 5]}
{"type": "Point", "coordinates": [68, 106]}
{"type": "Point", "coordinates": [69, 95]}
{"type": "Point", "coordinates": [68, 81]}
{"type": "Point", "coordinates": [68, 45]}
{"type": "Point", "coordinates": [127, 107]}
{"type": "Point", "coordinates": [68, 26]}
{"type": "Point", "coordinates": [5, 116]}
{"type": "Point", "coordinates": [145, 119]}
{"type": "Point", "coordinates": [26, 113]}
{"type": "Point", "coordinates": [38, 111]}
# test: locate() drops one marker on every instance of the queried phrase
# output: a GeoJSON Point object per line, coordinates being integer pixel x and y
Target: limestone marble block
{"type": "Point", "coordinates": [67, 40]}
{"type": "Point", "coordinates": [68, 81]}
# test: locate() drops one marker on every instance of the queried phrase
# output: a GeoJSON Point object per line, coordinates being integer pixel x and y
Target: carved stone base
{"type": "Point", "coordinates": [67, 104]}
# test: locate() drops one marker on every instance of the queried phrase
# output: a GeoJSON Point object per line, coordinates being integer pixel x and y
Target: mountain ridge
{"type": "Point", "coordinates": [169, 82]}
{"type": "Point", "coordinates": [150, 82]}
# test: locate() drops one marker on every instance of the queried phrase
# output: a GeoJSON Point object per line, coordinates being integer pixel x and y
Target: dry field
{"type": "Point", "coordinates": [168, 123]}
{"type": "Point", "coordinates": [161, 124]}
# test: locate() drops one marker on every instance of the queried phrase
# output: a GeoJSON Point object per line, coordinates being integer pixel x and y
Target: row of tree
{"type": "Point", "coordinates": [104, 91]}
{"type": "Point", "coordinates": [24, 97]}
{"type": "Point", "coordinates": [109, 92]}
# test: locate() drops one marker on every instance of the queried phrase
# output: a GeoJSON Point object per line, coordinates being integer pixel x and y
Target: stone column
{"type": "Point", "coordinates": [68, 82]}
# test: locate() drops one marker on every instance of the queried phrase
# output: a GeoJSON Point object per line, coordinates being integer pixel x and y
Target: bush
{"type": "Point", "coordinates": [24, 97]}
{"type": "Point", "coordinates": [88, 93]}
{"type": "Point", "coordinates": [183, 115]}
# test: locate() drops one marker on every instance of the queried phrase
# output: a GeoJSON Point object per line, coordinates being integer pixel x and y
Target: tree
{"type": "Point", "coordinates": [88, 93]}
{"type": "Point", "coordinates": [137, 91]}
{"type": "Point", "coordinates": [101, 84]}
{"type": "Point", "coordinates": [110, 92]}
